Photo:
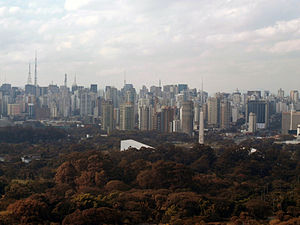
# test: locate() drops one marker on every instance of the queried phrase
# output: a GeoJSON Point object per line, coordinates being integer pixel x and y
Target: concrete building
{"type": "Point", "coordinates": [126, 116]}
{"type": "Point", "coordinates": [213, 111]}
{"type": "Point", "coordinates": [196, 113]}
{"type": "Point", "coordinates": [235, 114]}
{"type": "Point", "coordinates": [201, 128]}
{"type": "Point", "coordinates": [225, 117]}
{"type": "Point", "coordinates": [280, 93]}
{"type": "Point", "coordinates": [290, 121]}
{"type": "Point", "coordinates": [294, 96]}
{"type": "Point", "coordinates": [252, 123]}
{"type": "Point", "coordinates": [145, 117]}
{"type": "Point", "coordinates": [261, 109]}
{"type": "Point", "coordinates": [111, 93]}
{"type": "Point", "coordinates": [107, 115]}
{"type": "Point", "coordinates": [156, 120]}
{"type": "Point", "coordinates": [116, 117]}
{"type": "Point", "coordinates": [13, 109]}
{"type": "Point", "coordinates": [236, 98]}
{"type": "Point", "coordinates": [186, 117]}
{"type": "Point", "coordinates": [167, 116]}
{"type": "Point", "coordinates": [281, 107]}
{"type": "Point", "coordinates": [176, 126]}
{"type": "Point", "coordinates": [85, 103]}
{"type": "Point", "coordinates": [64, 102]}
{"type": "Point", "coordinates": [94, 88]}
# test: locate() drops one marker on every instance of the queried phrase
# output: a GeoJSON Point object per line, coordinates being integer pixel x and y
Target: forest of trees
{"type": "Point", "coordinates": [89, 181]}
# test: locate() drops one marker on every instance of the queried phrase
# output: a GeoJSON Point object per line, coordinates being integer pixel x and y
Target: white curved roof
{"type": "Point", "coordinates": [127, 144]}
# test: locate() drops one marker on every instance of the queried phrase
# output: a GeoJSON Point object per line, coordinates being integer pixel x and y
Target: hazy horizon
{"type": "Point", "coordinates": [249, 45]}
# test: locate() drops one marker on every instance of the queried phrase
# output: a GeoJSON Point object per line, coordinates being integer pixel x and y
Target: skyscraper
{"type": "Point", "coordinates": [126, 116]}
{"type": "Point", "coordinates": [186, 117]}
{"type": "Point", "coordinates": [66, 80]}
{"type": "Point", "coordinates": [252, 123]}
{"type": "Point", "coordinates": [213, 111]}
{"type": "Point", "coordinates": [290, 121]}
{"type": "Point", "coordinates": [107, 115]}
{"type": "Point", "coordinates": [156, 120]}
{"type": "Point", "coordinates": [94, 88]}
{"type": "Point", "coordinates": [145, 115]}
{"type": "Point", "coordinates": [225, 116]}
{"type": "Point", "coordinates": [85, 103]}
{"type": "Point", "coordinates": [280, 93]}
{"type": "Point", "coordinates": [294, 96]}
{"type": "Point", "coordinates": [167, 116]}
{"type": "Point", "coordinates": [201, 128]}
{"type": "Point", "coordinates": [64, 102]}
{"type": "Point", "coordinates": [196, 113]}
{"type": "Point", "coordinates": [261, 109]}
{"type": "Point", "coordinates": [182, 87]}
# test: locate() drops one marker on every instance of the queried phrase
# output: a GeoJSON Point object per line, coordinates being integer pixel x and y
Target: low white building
{"type": "Point", "coordinates": [128, 144]}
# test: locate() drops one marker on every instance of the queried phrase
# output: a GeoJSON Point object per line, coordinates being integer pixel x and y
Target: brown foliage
{"type": "Point", "coordinates": [32, 209]}
{"type": "Point", "coordinates": [116, 185]}
{"type": "Point", "coordinates": [165, 175]}
{"type": "Point", "coordinates": [93, 216]}
{"type": "Point", "coordinates": [65, 174]}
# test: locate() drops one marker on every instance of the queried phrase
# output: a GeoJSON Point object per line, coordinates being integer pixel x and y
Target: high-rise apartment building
{"type": "Point", "coordinates": [127, 116]}
{"type": "Point", "coordinates": [289, 121]}
{"type": "Point", "coordinates": [252, 123]}
{"type": "Point", "coordinates": [85, 103]}
{"type": "Point", "coordinates": [213, 111]}
{"type": "Point", "coordinates": [280, 93]}
{"type": "Point", "coordinates": [261, 109]}
{"type": "Point", "coordinates": [225, 117]}
{"type": "Point", "coordinates": [167, 116]}
{"type": "Point", "coordinates": [201, 128]}
{"type": "Point", "coordinates": [145, 117]}
{"type": "Point", "coordinates": [107, 115]}
{"type": "Point", "coordinates": [186, 117]}
{"type": "Point", "coordinates": [116, 117]}
{"type": "Point", "coordinates": [294, 96]}
{"type": "Point", "coordinates": [94, 88]}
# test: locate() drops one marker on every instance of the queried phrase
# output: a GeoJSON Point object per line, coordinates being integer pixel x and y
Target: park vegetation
{"type": "Point", "coordinates": [86, 180]}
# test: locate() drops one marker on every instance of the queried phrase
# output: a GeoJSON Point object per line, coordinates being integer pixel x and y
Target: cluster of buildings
{"type": "Point", "coordinates": [168, 108]}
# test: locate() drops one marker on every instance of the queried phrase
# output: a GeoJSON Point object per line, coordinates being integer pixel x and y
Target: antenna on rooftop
{"type": "Point", "coordinates": [124, 77]}
{"type": "Point", "coordinates": [66, 80]}
{"type": "Point", "coordinates": [29, 74]}
{"type": "Point", "coordinates": [35, 69]}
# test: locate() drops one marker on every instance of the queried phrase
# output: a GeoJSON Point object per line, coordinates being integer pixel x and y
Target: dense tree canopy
{"type": "Point", "coordinates": [89, 181]}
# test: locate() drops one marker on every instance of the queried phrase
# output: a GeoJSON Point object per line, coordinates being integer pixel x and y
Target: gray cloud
{"type": "Point", "coordinates": [234, 43]}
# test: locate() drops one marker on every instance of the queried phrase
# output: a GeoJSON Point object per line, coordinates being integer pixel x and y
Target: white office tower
{"type": "Point", "coordinates": [176, 126]}
{"type": "Point", "coordinates": [201, 128]}
{"type": "Point", "coordinates": [186, 117]}
{"type": "Point", "coordinates": [252, 123]}
{"type": "Point", "coordinates": [298, 131]}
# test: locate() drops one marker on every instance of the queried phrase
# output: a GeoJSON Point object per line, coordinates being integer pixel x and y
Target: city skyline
{"type": "Point", "coordinates": [171, 108]}
{"type": "Point", "coordinates": [250, 45]}
{"type": "Point", "coordinates": [102, 86]}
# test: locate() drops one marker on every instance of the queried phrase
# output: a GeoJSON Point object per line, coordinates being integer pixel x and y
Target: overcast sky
{"type": "Point", "coordinates": [245, 44]}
